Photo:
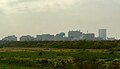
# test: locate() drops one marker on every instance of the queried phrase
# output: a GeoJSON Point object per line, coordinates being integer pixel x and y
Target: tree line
{"type": "Point", "coordinates": [65, 44]}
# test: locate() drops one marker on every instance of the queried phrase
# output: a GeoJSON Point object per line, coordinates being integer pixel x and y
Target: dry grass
{"type": "Point", "coordinates": [13, 49]}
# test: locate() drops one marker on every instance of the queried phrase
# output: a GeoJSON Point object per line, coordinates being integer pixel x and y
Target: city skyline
{"type": "Point", "coordinates": [73, 35]}
{"type": "Point", "coordinates": [31, 17]}
{"type": "Point", "coordinates": [66, 34]}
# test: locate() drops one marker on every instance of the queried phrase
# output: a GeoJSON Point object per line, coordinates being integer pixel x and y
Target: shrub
{"type": "Point", "coordinates": [40, 54]}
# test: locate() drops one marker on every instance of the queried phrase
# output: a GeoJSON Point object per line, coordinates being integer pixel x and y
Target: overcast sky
{"type": "Point", "coordinates": [23, 17]}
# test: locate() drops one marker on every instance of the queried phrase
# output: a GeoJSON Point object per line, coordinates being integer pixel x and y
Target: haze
{"type": "Point", "coordinates": [33, 17]}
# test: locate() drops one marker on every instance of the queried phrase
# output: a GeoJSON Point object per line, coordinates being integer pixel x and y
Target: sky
{"type": "Point", "coordinates": [34, 17]}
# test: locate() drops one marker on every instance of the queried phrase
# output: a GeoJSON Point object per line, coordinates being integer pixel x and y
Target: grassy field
{"type": "Point", "coordinates": [53, 58]}
{"type": "Point", "coordinates": [60, 55]}
{"type": "Point", "coordinates": [7, 66]}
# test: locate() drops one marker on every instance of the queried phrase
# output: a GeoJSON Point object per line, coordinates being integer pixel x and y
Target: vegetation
{"type": "Point", "coordinates": [64, 44]}
{"type": "Point", "coordinates": [60, 55]}
{"type": "Point", "coordinates": [58, 59]}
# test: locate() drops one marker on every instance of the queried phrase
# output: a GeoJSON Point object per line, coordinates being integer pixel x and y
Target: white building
{"type": "Point", "coordinates": [103, 34]}
{"type": "Point", "coordinates": [27, 38]}
{"type": "Point", "coordinates": [10, 38]}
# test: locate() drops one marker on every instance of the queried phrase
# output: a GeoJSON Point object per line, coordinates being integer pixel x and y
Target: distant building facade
{"type": "Point", "coordinates": [98, 39]}
{"type": "Point", "coordinates": [10, 38]}
{"type": "Point", "coordinates": [88, 36]}
{"type": "Point", "coordinates": [111, 38]}
{"type": "Point", "coordinates": [45, 37]}
{"type": "Point", "coordinates": [74, 35]}
{"type": "Point", "coordinates": [59, 37]}
{"type": "Point", "coordinates": [26, 38]}
{"type": "Point", "coordinates": [103, 34]}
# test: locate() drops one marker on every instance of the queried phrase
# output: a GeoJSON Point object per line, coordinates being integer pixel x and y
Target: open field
{"type": "Point", "coordinates": [60, 55]}
{"type": "Point", "coordinates": [53, 58]}
{"type": "Point", "coordinates": [15, 49]}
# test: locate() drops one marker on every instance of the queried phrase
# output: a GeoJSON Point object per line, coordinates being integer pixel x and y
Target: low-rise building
{"type": "Point", "coordinates": [26, 38]}
{"type": "Point", "coordinates": [59, 37]}
{"type": "Point", "coordinates": [98, 39]}
{"type": "Point", "coordinates": [111, 38]}
{"type": "Point", "coordinates": [45, 37]}
{"type": "Point", "coordinates": [74, 35]}
{"type": "Point", "coordinates": [88, 36]}
{"type": "Point", "coordinates": [10, 38]}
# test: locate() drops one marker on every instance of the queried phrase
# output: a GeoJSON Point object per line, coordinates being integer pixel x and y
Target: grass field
{"type": "Point", "coordinates": [60, 55]}
{"type": "Point", "coordinates": [53, 58]}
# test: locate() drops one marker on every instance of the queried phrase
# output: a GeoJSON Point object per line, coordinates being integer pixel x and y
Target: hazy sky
{"type": "Point", "coordinates": [22, 17]}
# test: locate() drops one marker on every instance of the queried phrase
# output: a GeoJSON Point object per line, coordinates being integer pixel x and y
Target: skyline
{"type": "Point", "coordinates": [73, 35]}
{"type": "Point", "coordinates": [51, 16]}
{"type": "Point", "coordinates": [102, 33]}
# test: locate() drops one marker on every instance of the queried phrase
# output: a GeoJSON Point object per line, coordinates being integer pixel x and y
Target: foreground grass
{"type": "Point", "coordinates": [57, 59]}
{"type": "Point", "coordinates": [7, 66]}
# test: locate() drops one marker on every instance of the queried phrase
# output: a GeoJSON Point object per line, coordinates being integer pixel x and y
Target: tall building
{"type": "Point", "coordinates": [103, 34]}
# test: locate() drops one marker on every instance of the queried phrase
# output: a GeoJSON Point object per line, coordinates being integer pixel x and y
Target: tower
{"type": "Point", "coordinates": [103, 34]}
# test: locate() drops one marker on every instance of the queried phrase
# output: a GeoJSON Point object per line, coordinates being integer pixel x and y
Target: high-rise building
{"type": "Point", "coordinates": [103, 34]}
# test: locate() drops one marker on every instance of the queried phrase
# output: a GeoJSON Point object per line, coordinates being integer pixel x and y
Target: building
{"type": "Point", "coordinates": [74, 35]}
{"type": "Point", "coordinates": [103, 34]}
{"type": "Point", "coordinates": [88, 36]}
{"type": "Point", "coordinates": [111, 38]}
{"type": "Point", "coordinates": [98, 39]}
{"type": "Point", "coordinates": [27, 38]}
{"type": "Point", "coordinates": [45, 37]}
{"type": "Point", "coordinates": [10, 38]}
{"type": "Point", "coordinates": [60, 36]}
{"type": "Point", "coordinates": [38, 38]}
